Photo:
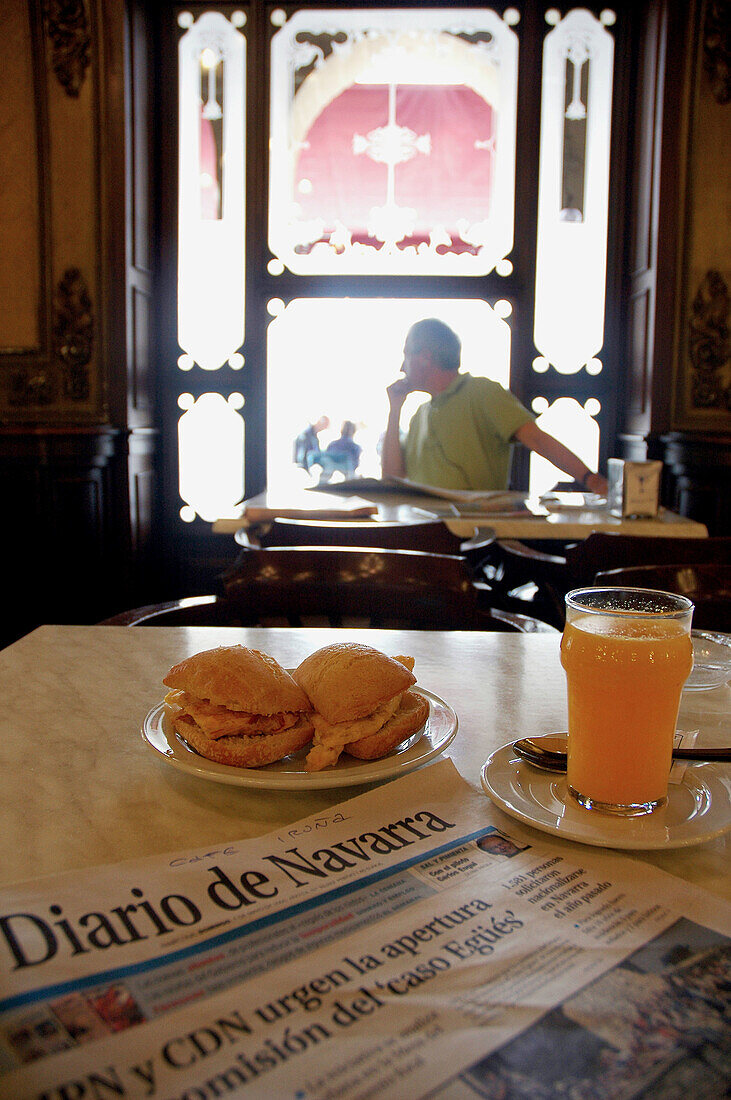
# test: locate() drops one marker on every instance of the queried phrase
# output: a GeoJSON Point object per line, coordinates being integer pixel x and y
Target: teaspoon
{"type": "Point", "coordinates": [547, 752]}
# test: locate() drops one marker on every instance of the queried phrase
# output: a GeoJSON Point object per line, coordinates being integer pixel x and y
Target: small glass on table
{"type": "Point", "coordinates": [627, 653]}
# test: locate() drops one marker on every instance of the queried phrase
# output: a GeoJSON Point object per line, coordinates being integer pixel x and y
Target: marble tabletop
{"type": "Point", "coordinates": [79, 786]}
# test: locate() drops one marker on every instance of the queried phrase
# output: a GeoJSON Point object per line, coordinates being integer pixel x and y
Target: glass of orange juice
{"type": "Point", "coordinates": [627, 653]}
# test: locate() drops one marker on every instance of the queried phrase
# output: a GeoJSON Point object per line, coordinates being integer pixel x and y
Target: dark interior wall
{"type": "Point", "coordinates": [77, 425]}
{"type": "Point", "coordinates": [677, 399]}
{"type": "Point", "coordinates": [78, 306]}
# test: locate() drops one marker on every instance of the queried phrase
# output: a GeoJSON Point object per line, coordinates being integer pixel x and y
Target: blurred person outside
{"type": "Point", "coordinates": [461, 437]}
{"type": "Point", "coordinates": [307, 444]}
{"type": "Point", "coordinates": [342, 455]}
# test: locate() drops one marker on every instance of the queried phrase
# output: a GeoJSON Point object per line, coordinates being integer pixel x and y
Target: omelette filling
{"type": "Point", "coordinates": [219, 721]}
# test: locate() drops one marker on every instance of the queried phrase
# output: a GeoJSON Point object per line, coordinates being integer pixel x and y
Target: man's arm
{"type": "Point", "coordinates": [533, 437]}
{"type": "Point", "coordinates": [392, 455]}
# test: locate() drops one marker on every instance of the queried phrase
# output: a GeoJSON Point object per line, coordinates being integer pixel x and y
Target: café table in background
{"type": "Point", "coordinates": [561, 518]}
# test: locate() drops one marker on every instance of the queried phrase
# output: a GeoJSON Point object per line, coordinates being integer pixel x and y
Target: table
{"type": "Point", "coordinates": [80, 788]}
{"type": "Point", "coordinates": [557, 521]}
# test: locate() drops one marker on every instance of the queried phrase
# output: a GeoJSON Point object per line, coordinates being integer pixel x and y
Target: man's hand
{"type": "Point", "coordinates": [595, 483]}
{"type": "Point", "coordinates": [398, 391]}
{"type": "Point", "coordinates": [392, 458]}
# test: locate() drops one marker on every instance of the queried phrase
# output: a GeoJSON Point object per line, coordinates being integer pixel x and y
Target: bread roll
{"type": "Point", "coordinates": [348, 680]}
{"type": "Point", "coordinates": [246, 751]}
{"type": "Point", "coordinates": [239, 679]}
{"type": "Point", "coordinates": [238, 706]}
{"type": "Point", "coordinates": [361, 700]}
{"type": "Point", "coordinates": [411, 716]}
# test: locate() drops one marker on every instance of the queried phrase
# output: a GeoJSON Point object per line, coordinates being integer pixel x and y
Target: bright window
{"type": "Point", "coordinates": [211, 189]}
{"type": "Point", "coordinates": [392, 141]}
{"type": "Point", "coordinates": [573, 196]}
{"type": "Point", "coordinates": [335, 357]}
{"type": "Point", "coordinates": [565, 419]}
{"type": "Point", "coordinates": [390, 149]}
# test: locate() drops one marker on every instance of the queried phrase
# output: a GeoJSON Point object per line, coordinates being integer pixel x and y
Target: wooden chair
{"type": "Point", "coordinates": [707, 585]}
{"type": "Point", "coordinates": [341, 587]}
{"type": "Point", "coordinates": [513, 564]}
{"type": "Point", "coordinates": [191, 611]}
{"type": "Point", "coordinates": [360, 586]}
{"type": "Point", "coordinates": [218, 611]}
{"type": "Point", "coordinates": [430, 536]}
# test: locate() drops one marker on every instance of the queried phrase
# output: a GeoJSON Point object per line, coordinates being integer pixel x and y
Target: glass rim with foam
{"type": "Point", "coordinates": [648, 602]}
{"type": "Point", "coordinates": [626, 653]}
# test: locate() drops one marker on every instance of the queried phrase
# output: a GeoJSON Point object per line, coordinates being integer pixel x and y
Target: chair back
{"type": "Point", "coordinates": [602, 551]}
{"type": "Point", "coordinates": [427, 536]}
{"type": "Point", "coordinates": [431, 536]}
{"type": "Point", "coordinates": [191, 611]}
{"type": "Point", "coordinates": [218, 611]}
{"type": "Point", "coordinates": [555, 573]}
{"type": "Point", "coordinates": [351, 586]}
{"type": "Point", "coordinates": [707, 585]}
{"type": "Point", "coordinates": [340, 587]}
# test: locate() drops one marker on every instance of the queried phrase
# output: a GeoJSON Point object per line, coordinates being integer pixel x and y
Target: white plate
{"type": "Point", "coordinates": [697, 809]}
{"type": "Point", "coordinates": [711, 660]}
{"type": "Point", "coordinates": [289, 774]}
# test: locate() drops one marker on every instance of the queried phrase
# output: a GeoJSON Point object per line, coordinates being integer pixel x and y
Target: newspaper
{"type": "Point", "coordinates": [479, 501]}
{"type": "Point", "coordinates": [406, 942]}
{"type": "Point", "coordinates": [487, 500]}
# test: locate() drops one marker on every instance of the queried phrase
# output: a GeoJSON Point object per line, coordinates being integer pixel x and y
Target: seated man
{"type": "Point", "coordinates": [461, 438]}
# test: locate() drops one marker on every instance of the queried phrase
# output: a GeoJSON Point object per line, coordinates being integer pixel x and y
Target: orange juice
{"type": "Point", "coordinates": [624, 675]}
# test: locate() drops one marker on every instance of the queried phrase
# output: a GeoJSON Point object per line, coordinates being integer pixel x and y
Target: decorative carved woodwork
{"type": "Point", "coordinates": [78, 451]}
{"type": "Point", "coordinates": [31, 386]}
{"type": "Point", "coordinates": [66, 377]}
{"type": "Point", "coordinates": [73, 334]}
{"type": "Point", "coordinates": [709, 344]}
{"type": "Point", "coordinates": [716, 51]}
{"type": "Point", "coordinates": [68, 29]}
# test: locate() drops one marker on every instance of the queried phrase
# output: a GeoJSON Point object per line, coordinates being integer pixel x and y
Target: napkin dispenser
{"type": "Point", "coordinates": [634, 487]}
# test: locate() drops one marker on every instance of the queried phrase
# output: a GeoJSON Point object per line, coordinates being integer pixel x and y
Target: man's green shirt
{"type": "Point", "coordinates": [460, 439]}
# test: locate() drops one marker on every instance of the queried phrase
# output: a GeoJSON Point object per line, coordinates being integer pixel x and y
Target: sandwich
{"type": "Point", "coordinates": [362, 702]}
{"type": "Point", "coordinates": [238, 706]}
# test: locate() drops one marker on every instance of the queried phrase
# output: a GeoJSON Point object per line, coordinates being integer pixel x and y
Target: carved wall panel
{"type": "Point", "coordinates": [77, 449]}
{"type": "Point", "coordinates": [23, 191]}
{"type": "Point", "coordinates": [709, 350]}
{"type": "Point", "coordinates": [703, 388]}
{"type": "Point", "coordinates": [52, 322]}
{"type": "Point", "coordinates": [69, 35]}
{"type": "Point", "coordinates": [717, 48]}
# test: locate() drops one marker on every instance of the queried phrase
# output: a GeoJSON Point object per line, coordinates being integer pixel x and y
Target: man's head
{"type": "Point", "coordinates": [431, 355]}
{"type": "Point", "coordinates": [321, 424]}
{"type": "Point", "coordinates": [498, 845]}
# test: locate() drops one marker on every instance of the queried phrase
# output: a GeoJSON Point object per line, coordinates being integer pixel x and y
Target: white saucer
{"type": "Point", "coordinates": [711, 660]}
{"type": "Point", "coordinates": [290, 774]}
{"type": "Point", "coordinates": [698, 808]}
